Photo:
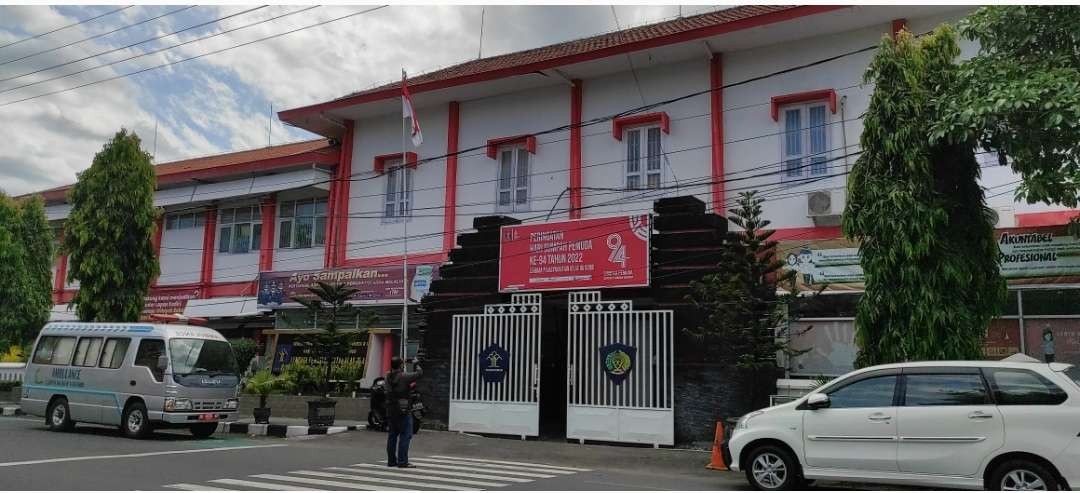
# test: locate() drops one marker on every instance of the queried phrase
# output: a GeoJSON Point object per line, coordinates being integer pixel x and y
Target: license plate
{"type": "Point", "coordinates": [207, 417]}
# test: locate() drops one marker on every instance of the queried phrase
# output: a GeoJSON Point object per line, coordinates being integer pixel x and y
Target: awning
{"type": "Point", "coordinates": [62, 313]}
{"type": "Point", "coordinates": [222, 307]}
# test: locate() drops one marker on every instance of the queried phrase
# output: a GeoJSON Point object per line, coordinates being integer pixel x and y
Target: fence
{"type": "Point", "coordinates": [11, 372]}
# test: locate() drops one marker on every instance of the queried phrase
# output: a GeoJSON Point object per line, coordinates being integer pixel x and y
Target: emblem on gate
{"type": "Point", "coordinates": [617, 360]}
{"type": "Point", "coordinates": [494, 363]}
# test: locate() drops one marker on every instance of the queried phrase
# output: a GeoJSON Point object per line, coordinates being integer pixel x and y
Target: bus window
{"type": "Point", "coordinates": [54, 350]}
{"type": "Point", "coordinates": [149, 351]}
{"type": "Point", "coordinates": [113, 355]}
{"type": "Point", "coordinates": [87, 352]}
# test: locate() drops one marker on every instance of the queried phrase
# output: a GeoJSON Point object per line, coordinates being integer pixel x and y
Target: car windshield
{"type": "Point", "coordinates": [1074, 373]}
{"type": "Point", "coordinates": [201, 356]}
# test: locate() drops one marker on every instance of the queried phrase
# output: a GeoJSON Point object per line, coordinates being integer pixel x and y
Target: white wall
{"type": "Point", "coordinates": [181, 255]}
{"type": "Point", "coordinates": [297, 258]}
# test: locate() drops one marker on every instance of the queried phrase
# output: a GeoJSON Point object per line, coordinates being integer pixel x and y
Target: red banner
{"type": "Point", "coordinates": [168, 301]}
{"type": "Point", "coordinates": [606, 252]}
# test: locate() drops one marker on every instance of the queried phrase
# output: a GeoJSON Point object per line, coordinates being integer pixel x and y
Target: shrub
{"type": "Point", "coordinates": [244, 349]}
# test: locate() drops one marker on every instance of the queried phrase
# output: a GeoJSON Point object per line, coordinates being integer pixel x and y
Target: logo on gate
{"type": "Point", "coordinates": [617, 360]}
{"type": "Point", "coordinates": [494, 363]}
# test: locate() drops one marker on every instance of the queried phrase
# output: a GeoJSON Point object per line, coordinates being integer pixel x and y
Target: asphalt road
{"type": "Point", "coordinates": [98, 458]}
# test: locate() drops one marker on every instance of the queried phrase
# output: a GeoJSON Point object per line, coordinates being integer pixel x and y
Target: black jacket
{"type": "Point", "coordinates": [397, 389]}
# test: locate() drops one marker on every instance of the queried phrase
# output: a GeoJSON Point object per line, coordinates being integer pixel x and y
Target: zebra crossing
{"type": "Point", "coordinates": [435, 472]}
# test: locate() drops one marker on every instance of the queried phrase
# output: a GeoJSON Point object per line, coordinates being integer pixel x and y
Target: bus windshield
{"type": "Point", "coordinates": [202, 357]}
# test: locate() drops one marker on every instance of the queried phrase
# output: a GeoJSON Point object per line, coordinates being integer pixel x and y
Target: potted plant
{"type": "Point", "coordinates": [262, 383]}
{"type": "Point", "coordinates": [329, 305]}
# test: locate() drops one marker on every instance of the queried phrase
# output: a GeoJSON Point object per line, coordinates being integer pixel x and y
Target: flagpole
{"type": "Point", "coordinates": [405, 228]}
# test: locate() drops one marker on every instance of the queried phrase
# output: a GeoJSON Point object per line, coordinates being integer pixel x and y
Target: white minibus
{"type": "Point", "coordinates": [133, 375]}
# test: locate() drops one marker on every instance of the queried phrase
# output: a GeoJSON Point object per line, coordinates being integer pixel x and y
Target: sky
{"type": "Point", "coordinates": [221, 102]}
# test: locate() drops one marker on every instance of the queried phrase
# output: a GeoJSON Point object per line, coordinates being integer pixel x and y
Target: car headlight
{"type": "Point", "coordinates": [744, 421]}
{"type": "Point", "coordinates": [232, 404]}
{"type": "Point", "coordinates": [177, 404]}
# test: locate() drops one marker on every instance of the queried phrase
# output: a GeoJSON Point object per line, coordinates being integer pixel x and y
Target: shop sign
{"type": "Point", "coordinates": [1046, 253]}
{"type": "Point", "coordinates": [375, 284]}
{"type": "Point", "coordinates": [617, 360]}
{"type": "Point", "coordinates": [588, 253]}
{"type": "Point", "coordinates": [494, 363]}
{"type": "Point", "coordinates": [168, 301]}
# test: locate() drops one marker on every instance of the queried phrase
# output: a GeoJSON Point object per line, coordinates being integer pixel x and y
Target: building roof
{"type": "Point", "coordinates": [494, 67]}
{"type": "Point", "coordinates": [321, 150]}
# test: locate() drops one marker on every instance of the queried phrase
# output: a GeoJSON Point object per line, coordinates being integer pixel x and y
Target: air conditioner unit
{"type": "Point", "coordinates": [819, 207]}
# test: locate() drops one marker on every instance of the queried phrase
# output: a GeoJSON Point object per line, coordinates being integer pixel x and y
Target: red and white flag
{"type": "Point", "coordinates": [409, 113]}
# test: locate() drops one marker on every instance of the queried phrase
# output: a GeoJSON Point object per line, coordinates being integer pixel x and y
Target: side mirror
{"type": "Point", "coordinates": [163, 362]}
{"type": "Point", "coordinates": [817, 401]}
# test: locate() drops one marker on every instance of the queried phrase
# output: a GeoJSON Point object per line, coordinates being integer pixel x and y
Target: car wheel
{"type": "Point", "coordinates": [770, 467]}
{"type": "Point", "coordinates": [135, 422]}
{"type": "Point", "coordinates": [1023, 475]}
{"type": "Point", "coordinates": [203, 430]}
{"type": "Point", "coordinates": [59, 415]}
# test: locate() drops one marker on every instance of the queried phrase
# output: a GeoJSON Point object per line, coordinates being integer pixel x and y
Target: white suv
{"type": "Point", "coordinates": [955, 424]}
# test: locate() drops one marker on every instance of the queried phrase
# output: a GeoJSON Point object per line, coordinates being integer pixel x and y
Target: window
{"type": "Point", "coordinates": [54, 350]}
{"type": "Point", "coordinates": [239, 230]}
{"type": "Point", "coordinates": [399, 185]}
{"type": "Point", "coordinates": [302, 223]}
{"type": "Point", "coordinates": [113, 354]}
{"type": "Point", "coordinates": [870, 392]}
{"type": "Point", "coordinates": [804, 145]}
{"type": "Point", "coordinates": [184, 221]}
{"type": "Point", "coordinates": [945, 390]}
{"type": "Point", "coordinates": [513, 193]}
{"type": "Point", "coordinates": [643, 152]}
{"type": "Point", "coordinates": [87, 352]}
{"type": "Point", "coordinates": [149, 350]}
{"type": "Point", "coordinates": [1015, 387]}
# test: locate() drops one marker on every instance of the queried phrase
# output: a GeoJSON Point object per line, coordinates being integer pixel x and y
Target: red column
{"type": "Point", "coordinates": [61, 274]}
{"type": "Point", "coordinates": [206, 279]}
{"type": "Point", "coordinates": [716, 103]}
{"type": "Point", "coordinates": [388, 350]}
{"type": "Point", "coordinates": [575, 149]}
{"type": "Point", "coordinates": [450, 211]}
{"type": "Point", "coordinates": [897, 26]}
{"type": "Point", "coordinates": [266, 243]}
{"type": "Point", "coordinates": [331, 224]}
{"type": "Point", "coordinates": [159, 225]}
{"type": "Point", "coordinates": [341, 205]}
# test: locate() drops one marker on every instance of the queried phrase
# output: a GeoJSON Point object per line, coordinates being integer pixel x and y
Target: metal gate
{"type": "Point", "coordinates": [495, 369]}
{"type": "Point", "coordinates": [621, 365]}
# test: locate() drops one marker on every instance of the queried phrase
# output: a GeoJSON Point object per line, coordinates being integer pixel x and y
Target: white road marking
{"type": "Point", "coordinates": [423, 464]}
{"type": "Point", "coordinates": [458, 474]}
{"type": "Point", "coordinates": [508, 463]}
{"type": "Point", "coordinates": [499, 467]}
{"type": "Point", "coordinates": [397, 482]}
{"type": "Point", "coordinates": [352, 485]}
{"type": "Point", "coordinates": [128, 456]}
{"type": "Point", "coordinates": [259, 484]}
{"type": "Point", "coordinates": [194, 487]}
{"type": "Point", "coordinates": [394, 474]}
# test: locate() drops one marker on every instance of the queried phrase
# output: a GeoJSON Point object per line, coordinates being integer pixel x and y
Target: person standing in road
{"type": "Point", "coordinates": [399, 412]}
{"type": "Point", "coordinates": [1048, 344]}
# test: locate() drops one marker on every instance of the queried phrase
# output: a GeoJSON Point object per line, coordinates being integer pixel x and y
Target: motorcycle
{"type": "Point", "coordinates": [377, 414]}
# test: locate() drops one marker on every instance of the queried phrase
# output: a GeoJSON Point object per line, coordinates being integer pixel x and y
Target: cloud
{"type": "Point", "coordinates": [221, 102]}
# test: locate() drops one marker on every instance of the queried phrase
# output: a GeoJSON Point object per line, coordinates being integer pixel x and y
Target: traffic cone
{"type": "Point", "coordinates": [717, 462]}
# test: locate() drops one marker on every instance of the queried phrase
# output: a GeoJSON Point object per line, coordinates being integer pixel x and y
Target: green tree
{"type": "Point", "coordinates": [1020, 95]}
{"type": "Point", "coordinates": [329, 307]}
{"type": "Point", "coordinates": [109, 232]}
{"type": "Point", "coordinates": [26, 256]}
{"type": "Point", "coordinates": [926, 235]}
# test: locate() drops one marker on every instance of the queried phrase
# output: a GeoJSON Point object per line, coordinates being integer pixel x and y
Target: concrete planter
{"type": "Point", "coordinates": [296, 406]}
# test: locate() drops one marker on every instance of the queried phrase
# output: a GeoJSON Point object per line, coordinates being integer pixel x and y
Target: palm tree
{"type": "Point", "coordinates": [329, 304]}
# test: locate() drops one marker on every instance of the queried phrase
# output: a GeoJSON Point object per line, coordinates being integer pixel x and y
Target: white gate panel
{"type": "Point", "coordinates": [510, 406]}
{"type": "Point", "coordinates": [627, 394]}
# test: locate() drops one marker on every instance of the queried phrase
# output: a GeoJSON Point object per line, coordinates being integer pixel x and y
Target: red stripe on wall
{"type": "Point", "coordinates": [1053, 218]}
{"type": "Point", "coordinates": [341, 214]}
{"type": "Point", "coordinates": [575, 149]}
{"type": "Point", "coordinates": [716, 104]}
{"type": "Point", "coordinates": [417, 258]}
{"type": "Point", "coordinates": [450, 212]}
{"type": "Point", "coordinates": [209, 232]}
{"type": "Point", "coordinates": [266, 242]}
{"type": "Point", "coordinates": [159, 225]}
{"type": "Point", "coordinates": [809, 233]}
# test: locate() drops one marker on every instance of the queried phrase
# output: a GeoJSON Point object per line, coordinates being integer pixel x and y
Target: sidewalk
{"type": "Point", "coordinates": [288, 427]}
{"type": "Point", "coordinates": [10, 408]}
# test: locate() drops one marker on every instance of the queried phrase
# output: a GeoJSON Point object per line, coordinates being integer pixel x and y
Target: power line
{"type": "Point", "coordinates": [160, 50]}
{"type": "Point", "coordinates": [61, 28]}
{"type": "Point", "coordinates": [317, 24]}
{"type": "Point", "coordinates": [96, 36]}
{"type": "Point", "coordinates": [137, 43]}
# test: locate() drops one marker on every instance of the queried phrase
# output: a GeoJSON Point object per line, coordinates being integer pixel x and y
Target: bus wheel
{"type": "Point", "coordinates": [203, 430]}
{"type": "Point", "coordinates": [135, 422]}
{"type": "Point", "coordinates": [59, 415]}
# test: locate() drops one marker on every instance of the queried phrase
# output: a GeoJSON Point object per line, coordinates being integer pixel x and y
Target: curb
{"type": "Point", "coordinates": [284, 431]}
{"type": "Point", "coordinates": [11, 411]}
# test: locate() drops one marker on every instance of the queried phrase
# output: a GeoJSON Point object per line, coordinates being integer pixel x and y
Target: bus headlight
{"type": "Point", "coordinates": [177, 404]}
{"type": "Point", "coordinates": [232, 404]}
